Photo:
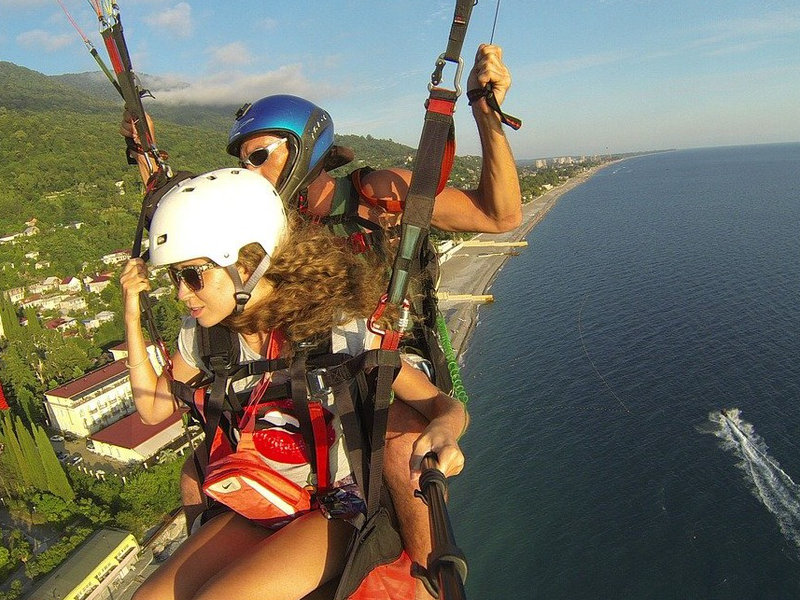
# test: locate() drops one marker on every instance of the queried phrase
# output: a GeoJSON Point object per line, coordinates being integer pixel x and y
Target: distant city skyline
{"type": "Point", "coordinates": [590, 76]}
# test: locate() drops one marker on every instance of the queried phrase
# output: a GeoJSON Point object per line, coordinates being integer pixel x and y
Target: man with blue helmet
{"type": "Point", "coordinates": [290, 142]}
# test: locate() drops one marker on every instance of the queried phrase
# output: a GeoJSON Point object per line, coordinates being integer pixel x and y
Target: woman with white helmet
{"type": "Point", "coordinates": [237, 260]}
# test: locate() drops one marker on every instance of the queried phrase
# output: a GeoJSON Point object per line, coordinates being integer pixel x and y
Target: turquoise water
{"type": "Point", "coordinates": [599, 465]}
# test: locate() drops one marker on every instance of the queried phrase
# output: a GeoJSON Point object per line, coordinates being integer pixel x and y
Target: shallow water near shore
{"type": "Point", "coordinates": [664, 289]}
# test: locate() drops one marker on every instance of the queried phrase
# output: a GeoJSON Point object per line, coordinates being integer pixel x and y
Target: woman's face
{"type": "Point", "coordinates": [214, 301]}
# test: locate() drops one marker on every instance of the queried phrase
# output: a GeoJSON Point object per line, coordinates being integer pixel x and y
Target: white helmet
{"type": "Point", "coordinates": [214, 215]}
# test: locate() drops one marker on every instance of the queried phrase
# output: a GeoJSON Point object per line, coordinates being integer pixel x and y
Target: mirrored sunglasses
{"type": "Point", "coordinates": [192, 275]}
{"type": "Point", "coordinates": [261, 155]}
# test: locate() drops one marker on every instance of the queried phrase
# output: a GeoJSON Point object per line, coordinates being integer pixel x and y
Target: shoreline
{"type": "Point", "coordinates": [476, 276]}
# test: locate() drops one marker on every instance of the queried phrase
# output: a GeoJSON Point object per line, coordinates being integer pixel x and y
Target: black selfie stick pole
{"type": "Point", "coordinates": [447, 566]}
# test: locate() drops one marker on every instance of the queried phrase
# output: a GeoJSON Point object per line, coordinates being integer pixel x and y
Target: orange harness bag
{"type": "Point", "coordinates": [244, 481]}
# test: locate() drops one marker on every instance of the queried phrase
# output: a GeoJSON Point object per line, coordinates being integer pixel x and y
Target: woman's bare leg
{"type": "Point", "coordinates": [294, 561]}
{"type": "Point", "coordinates": [221, 542]}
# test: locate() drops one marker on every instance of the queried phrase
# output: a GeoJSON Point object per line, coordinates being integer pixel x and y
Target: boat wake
{"type": "Point", "coordinates": [776, 490]}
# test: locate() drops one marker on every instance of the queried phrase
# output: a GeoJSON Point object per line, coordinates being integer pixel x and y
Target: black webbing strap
{"type": "Point", "coordinates": [434, 155]}
{"type": "Point", "coordinates": [297, 374]}
{"type": "Point", "coordinates": [380, 417]}
{"type": "Point", "coordinates": [431, 166]}
{"type": "Point", "coordinates": [219, 349]}
{"type": "Point", "coordinates": [486, 92]}
{"type": "Point", "coordinates": [455, 41]}
{"type": "Point", "coordinates": [214, 401]}
{"type": "Point", "coordinates": [365, 423]}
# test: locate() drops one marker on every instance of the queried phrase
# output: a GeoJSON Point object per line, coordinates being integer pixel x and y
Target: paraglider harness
{"type": "Point", "coordinates": [361, 388]}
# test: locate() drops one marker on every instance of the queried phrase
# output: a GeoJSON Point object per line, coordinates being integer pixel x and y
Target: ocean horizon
{"type": "Point", "coordinates": [634, 389]}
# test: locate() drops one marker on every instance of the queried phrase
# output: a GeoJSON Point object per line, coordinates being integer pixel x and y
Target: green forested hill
{"type": "Point", "coordinates": [218, 118]}
{"type": "Point", "coordinates": [23, 89]}
{"type": "Point", "coordinates": [61, 158]}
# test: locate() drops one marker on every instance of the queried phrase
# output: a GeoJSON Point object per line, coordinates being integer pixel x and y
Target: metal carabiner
{"type": "Point", "coordinates": [436, 76]}
{"type": "Point", "coordinates": [403, 321]}
{"type": "Point", "coordinates": [377, 315]}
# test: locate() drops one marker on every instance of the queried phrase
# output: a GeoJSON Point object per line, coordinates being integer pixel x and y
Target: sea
{"type": "Point", "coordinates": [635, 390]}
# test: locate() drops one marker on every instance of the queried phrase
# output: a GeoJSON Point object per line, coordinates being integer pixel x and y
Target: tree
{"type": "Point", "coordinates": [19, 546]}
{"type": "Point", "coordinates": [6, 564]}
{"type": "Point", "coordinates": [65, 359]}
{"type": "Point", "coordinates": [8, 316]}
{"type": "Point", "coordinates": [168, 313]}
{"type": "Point", "coordinates": [14, 592]}
{"type": "Point", "coordinates": [30, 454]}
{"type": "Point", "coordinates": [96, 515]}
{"type": "Point", "coordinates": [109, 334]}
{"type": "Point", "coordinates": [18, 372]}
{"type": "Point", "coordinates": [16, 459]}
{"type": "Point", "coordinates": [52, 508]}
{"type": "Point", "coordinates": [57, 482]}
{"type": "Point", "coordinates": [149, 496]}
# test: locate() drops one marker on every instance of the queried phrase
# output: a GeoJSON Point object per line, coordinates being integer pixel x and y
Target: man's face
{"type": "Point", "coordinates": [271, 146]}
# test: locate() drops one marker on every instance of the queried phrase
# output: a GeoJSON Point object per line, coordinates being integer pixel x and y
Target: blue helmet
{"type": "Point", "coordinates": [308, 128]}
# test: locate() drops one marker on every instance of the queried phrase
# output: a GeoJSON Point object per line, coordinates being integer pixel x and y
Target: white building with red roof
{"type": "Point", "coordinates": [92, 402]}
{"type": "Point", "coordinates": [98, 283]}
{"type": "Point", "coordinates": [129, 440]}
{"type": "Point", "coordinates": [70, 284]}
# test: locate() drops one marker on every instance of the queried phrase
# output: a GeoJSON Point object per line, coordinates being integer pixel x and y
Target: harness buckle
{"type": "Point", "coordinates": [316, 383]}
{"type": "Point", "coordinates": [341, 504]}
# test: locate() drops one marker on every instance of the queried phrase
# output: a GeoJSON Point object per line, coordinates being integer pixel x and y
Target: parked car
{"type": "Point", "coordinates": [61, 455]}
{"type": "Point", "coordinates": [56, 438]}
{"type": "Point", "coordinates": [75, 459]}
{"type": "Point", "coordinates": [90, 444]}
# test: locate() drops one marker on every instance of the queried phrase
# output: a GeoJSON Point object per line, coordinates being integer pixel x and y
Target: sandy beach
{"type": "Point", "coordinates": [471, 270]}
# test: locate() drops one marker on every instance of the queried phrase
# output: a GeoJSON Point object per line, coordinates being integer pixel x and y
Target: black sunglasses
{"type": "Point", "coordinates": [192, 275]}
{"type": "Point", "coordinates": [261, 155]}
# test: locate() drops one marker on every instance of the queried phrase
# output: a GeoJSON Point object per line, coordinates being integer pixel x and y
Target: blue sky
{"type": "Point", "coordinates": [590, 76]}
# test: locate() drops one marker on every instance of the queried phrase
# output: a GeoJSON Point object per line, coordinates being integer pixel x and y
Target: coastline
{"type": "Point", "coordinates": [472, 270]}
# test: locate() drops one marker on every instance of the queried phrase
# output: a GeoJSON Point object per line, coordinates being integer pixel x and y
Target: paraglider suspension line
{"type": "Point", "coordinates": [591, 362]}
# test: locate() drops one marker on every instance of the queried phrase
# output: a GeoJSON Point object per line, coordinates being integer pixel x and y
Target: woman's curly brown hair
{"type": "Point", "coordinates": [318, 282]}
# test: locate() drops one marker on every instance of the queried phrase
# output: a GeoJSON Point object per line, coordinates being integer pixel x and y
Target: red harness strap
{"type": "Point", "coordinates": [321, 448]}
{"type": "Point", "coordinates": [444, 107]}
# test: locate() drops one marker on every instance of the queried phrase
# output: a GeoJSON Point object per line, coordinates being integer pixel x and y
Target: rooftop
{"type": "Point", "coordinates": [130, 432]}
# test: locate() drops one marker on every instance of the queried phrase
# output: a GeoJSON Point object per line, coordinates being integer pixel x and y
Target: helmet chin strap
{"type": "Point", "coordinates": [242, 291]}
